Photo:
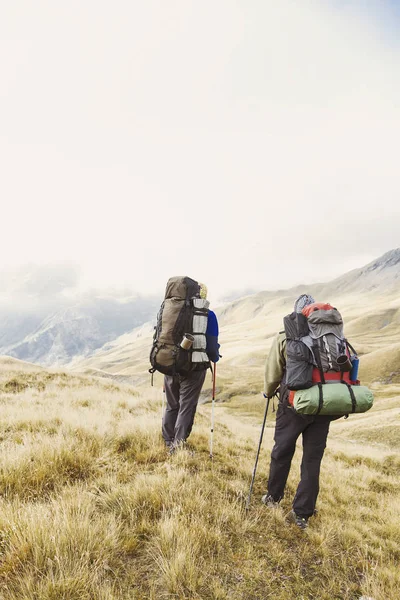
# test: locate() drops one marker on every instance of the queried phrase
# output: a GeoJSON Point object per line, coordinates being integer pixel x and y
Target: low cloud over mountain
{"type": "Point", "coordinates": [45, 318]}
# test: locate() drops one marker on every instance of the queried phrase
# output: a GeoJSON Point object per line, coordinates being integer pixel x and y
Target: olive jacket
{"type": "Point", "coordinates": [275, 365]}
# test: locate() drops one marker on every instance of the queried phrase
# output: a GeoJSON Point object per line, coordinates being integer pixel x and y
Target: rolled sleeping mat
{"type": "Point", "coordinates": [336, 399]}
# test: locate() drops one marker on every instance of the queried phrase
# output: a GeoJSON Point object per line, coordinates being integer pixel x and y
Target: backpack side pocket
{"type": "Point", "coordinates": [299, 365]}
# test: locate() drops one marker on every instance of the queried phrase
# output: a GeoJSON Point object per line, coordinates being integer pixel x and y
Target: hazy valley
{"type": "Point", "coordinates": [46, 319]}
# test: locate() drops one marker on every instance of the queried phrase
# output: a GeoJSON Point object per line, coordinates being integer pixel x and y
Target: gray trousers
{"type": "Point", "coordinates": [182, 394]}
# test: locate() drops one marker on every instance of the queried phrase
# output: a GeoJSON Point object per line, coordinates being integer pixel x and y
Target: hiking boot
{"type": "Point", "coordinates": [181, 445]}
{"type": "Point", "coordinates": [268, 500]}
{"type": "Point", "coordinates": [301, 522]}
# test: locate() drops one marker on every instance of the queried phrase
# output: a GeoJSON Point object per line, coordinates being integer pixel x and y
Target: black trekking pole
{"type": "Point", "coordinates": [258, 454]}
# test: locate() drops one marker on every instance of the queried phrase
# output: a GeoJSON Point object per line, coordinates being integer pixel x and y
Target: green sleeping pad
{"type": "Point", "coordinates": [336, 399]}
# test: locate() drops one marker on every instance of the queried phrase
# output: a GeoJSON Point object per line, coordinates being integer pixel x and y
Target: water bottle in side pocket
{"type": "Point", "coordinates": [355, 361]}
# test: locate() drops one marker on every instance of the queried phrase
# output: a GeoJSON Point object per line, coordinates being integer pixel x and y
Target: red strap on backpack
{"type": "Point", "coordinates": [330, 376]}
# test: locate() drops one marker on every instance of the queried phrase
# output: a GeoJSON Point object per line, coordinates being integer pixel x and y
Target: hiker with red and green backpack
{"type": "Point", "coordinates": [185, 342]}
{"type": "Point", "coordinates": [315, 370]}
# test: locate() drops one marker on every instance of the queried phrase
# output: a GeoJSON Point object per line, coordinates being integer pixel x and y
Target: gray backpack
{"type": "Point", "coordinates": [316, 348]}
{"type": "Point", "coordinates": [182, 312]}
{"type": "Point", "coordinates": [319, 354]}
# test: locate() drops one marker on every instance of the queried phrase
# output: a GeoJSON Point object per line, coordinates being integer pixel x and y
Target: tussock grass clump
{"type": "Point", "coordinates": [140, 446]}
{"type": "Point", "coordinates": [93, 507]}
{"type": "Point", "coordinates": [43, 469]}
{"type": "Point", "coordinates": [59, 548]}
{"type": "Point", "coordinates": [19, 381]}
{"type": "Point", "coordinates": [391, 465]}
{"type": "Point", "coordinates": [386, 435]}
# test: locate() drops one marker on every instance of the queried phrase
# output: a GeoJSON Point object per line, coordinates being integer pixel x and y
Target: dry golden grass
{"type": "Point", "coordinates": [93, 508]}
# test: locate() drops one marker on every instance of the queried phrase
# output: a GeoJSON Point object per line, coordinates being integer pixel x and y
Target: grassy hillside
{"type": "Point", "coordinates": [93, 508]}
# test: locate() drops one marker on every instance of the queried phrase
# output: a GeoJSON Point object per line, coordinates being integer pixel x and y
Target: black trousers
{"type": "Point", "coordinates": [314, 429]}
{"type": "Point", "coordinates": [182, 394]}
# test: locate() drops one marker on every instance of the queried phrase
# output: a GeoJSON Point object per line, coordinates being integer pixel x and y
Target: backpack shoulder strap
{"type": "Point", "coordinates": [350, 346]}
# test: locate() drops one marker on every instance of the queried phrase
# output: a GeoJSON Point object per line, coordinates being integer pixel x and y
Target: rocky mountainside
{"type": "Point", "coordinates": [73, 331]}
{"type": "Point", "coordinates": [45, 319]}
{"type": "Point", "coordinates": [379, 277]}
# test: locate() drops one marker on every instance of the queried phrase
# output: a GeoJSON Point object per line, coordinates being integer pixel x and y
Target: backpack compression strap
{"type": "Point", "coordinates": [319, 363]}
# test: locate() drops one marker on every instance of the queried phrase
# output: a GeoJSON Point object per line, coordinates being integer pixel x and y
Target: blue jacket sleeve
{"type": "Point", "coordinates": [212, 337]}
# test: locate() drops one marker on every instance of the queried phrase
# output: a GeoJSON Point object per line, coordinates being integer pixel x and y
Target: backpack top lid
{"type": "Point", "coordinates": [323, 319]}
{"type": "Point", "coordinates": [307, 310]}
{"type": "Point", "coordinates": [182, 287]}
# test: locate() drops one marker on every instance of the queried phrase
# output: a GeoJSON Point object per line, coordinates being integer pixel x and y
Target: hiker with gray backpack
{"type": "Point", "coordinates": [315, 370]}
{"type": "Point", "coordinates": [185, 342]}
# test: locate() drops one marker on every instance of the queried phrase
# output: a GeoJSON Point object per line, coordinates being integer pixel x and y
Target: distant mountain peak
{"type": "Point", "coordinates": [389, 259]}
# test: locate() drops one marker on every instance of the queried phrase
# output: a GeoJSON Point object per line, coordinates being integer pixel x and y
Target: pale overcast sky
{"type": "Point", "coordinates": [241, 142]}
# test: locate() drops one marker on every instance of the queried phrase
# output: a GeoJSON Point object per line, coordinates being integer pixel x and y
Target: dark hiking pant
{"type": "Point", "coordinates": [314, 429]}
{"type": "Point", "coordinates": [182, 394]}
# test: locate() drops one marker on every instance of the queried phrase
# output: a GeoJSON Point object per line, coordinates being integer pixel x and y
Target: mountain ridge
{"type": "Point", "coordinates": [248, 326]}
{"type": "Point", "coordinates": [98, 324]}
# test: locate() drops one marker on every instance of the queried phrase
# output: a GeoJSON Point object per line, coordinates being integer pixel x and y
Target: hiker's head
{"type": "Point", "coordinates": [302, 301]}
{"type": "Point", "coordinates": [203, 291]}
